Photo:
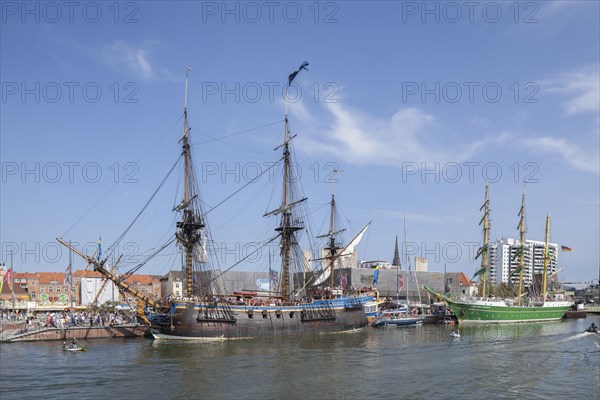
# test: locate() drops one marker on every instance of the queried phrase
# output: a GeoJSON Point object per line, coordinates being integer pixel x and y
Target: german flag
{"type": "Point", "coordinates": [565, 249]}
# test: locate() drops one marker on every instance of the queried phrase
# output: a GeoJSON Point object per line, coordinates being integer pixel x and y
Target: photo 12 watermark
{"type": "Point", "coordinates": [270, 12]}
{"type": "Point", "coordinates": [469, 171]}
{"type": "Point", "coordinates": [69, 172]}
{"type": "Point", "coordinates": [470, 92]}
{"type": "Point", "coordinates": [69, 12]}
{"type": "Point", "coordinates": [254, 92]}
{"type": "Point", "coordinates": [237, 172]}
{"type": "Point", "coordinates": [69, 92]}
{"type": "Point", "coordinates": [52, 252]}
{"type": "Point", "coordinates": [453, 12]}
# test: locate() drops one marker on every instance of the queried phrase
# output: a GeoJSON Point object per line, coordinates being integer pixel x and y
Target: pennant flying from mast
{"type": "Point", "coordinates": [293, 74]}
{"type": "Point", "coordinates": [99, 248]}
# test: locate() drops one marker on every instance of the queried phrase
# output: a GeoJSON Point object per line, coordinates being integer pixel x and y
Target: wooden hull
{"type": "Point", "coordinates": [254, 322]}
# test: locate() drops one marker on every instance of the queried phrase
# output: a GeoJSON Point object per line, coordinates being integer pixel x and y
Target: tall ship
{"type": "Point", "coordinates": [204, 310]}
{"type": "Point", "coordinates": [490, 310]}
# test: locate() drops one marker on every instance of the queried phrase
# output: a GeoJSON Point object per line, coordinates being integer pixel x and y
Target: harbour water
{"type": "Point", "coordinates": [535, 361]}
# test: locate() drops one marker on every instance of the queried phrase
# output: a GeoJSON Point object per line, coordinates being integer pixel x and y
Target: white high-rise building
{"type": "Point", "coordinates": [503, 261]}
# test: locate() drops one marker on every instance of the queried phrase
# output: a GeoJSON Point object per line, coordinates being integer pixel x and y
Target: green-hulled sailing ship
{"type": "Point", "coordinates": [490, 310]}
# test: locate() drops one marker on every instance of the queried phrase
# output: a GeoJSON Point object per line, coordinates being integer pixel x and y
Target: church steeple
{"type": "Point", "coordinates": [396, 260]}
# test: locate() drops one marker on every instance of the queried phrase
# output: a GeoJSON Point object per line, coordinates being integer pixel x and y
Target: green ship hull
{"type": "Point", "coordinates": [492, 311]}
{"type": "Point", "coordinates": [486, 312]}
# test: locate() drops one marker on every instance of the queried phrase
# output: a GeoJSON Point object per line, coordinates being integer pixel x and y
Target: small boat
{"type": "Point", "coordinates": [447, 321]}
{"type": "Point", "coordinates": [396, 318]}
{"type": "Point", "coordinates": [592, 329]}
{"type": "Point", "coordinates": [73, 347]}
{"type": "Point", "coordinates": [454, 335]}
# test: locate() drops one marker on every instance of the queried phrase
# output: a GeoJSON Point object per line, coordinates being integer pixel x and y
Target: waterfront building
{"type": "Point", "coordinates": [504, 261]}
{"type": "Point", "coordinates": [233, 281]}
{"type": "Point", "coordinates": [421, 264]}
{"type": "Point", "coordinates": [50, 290]}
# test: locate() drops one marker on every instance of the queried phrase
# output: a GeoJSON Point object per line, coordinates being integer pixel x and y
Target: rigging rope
{"type": "Point", "coordinates": [113, 246]}
{"type": "Point", "coordinates": [212, 139]}
{"type": "Point", "coordinates": [252, 253]}
{"type": "Point", "coordinates": [151, 256]}
{"type": "Point", "coordinates": [116, 183]}
{"type": "Point", "coordinates": [244, 186]}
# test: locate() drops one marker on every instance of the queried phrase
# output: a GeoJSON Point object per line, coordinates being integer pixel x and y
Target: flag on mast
{"type": "Point", "coordinates": [9, 278]}
{"type": "Point", "coordinates": [68, 272]}
{"type": "Point", "coordinates": [376, 275]}
{"type": "Point", "coordinates": [99, 248]}
{"type": "Point", "coordinates": [293, 74]}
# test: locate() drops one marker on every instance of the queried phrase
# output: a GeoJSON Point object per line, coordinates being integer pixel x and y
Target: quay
{"type": "Point", "coordinates": [15, 332]}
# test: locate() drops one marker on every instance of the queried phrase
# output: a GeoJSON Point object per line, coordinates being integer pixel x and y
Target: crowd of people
{"type": "Point", "coordinates": [65, 319]}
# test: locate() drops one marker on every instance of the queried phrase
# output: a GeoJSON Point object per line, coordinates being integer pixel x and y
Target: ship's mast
{"type": "Point", "coordinates": [522, 247]}
{"type": "Point", "coordinates": [486, 238]}
{"type": "Point", "coordinates": [546, 256]}
{"type": "Point", "coordinates": [332, 246]}
{"type": "Point", "coordinates": [407, 262]}
{"type": "Point", "coordinates": [396, 262]}
{"type": "Point", "coordinates": [12, 281]}
{"type": "Point", "coordinates": [190, 224]}
{"type": "Point", "coordinates": [288, 225]}
{"type": "Point", "coordinates": [70, 271]}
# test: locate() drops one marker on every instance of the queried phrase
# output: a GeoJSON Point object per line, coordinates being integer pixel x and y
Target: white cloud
{"type": "Point", "coordinates": [135, 59]}
{"type": "Point", "coordinates": [582, 86]}
{"type": "Point", "coordinates": [571, 153]}
{"type": "Point", "coordinates": [409, 135]}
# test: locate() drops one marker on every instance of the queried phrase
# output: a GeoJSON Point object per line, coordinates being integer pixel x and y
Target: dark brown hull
{"type": "Point", "coordinates": [184, 324]}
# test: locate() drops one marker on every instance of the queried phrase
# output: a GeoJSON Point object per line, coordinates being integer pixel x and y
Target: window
{"type": "Point", "coordinates": [58, 289]}
{"type": "Point", "coordinates": [32, 295]}
{"type": "Point", "coordinates": [49, 289]}
{"type": "Point", "coordinates": [42, 289]}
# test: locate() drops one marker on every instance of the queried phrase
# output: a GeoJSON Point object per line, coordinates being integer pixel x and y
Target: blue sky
{"type": "Point", "coordinates": [418, 103]}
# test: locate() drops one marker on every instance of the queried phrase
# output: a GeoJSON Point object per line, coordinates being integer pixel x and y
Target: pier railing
{"type": "Point", "coordinates": [44, 333]}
